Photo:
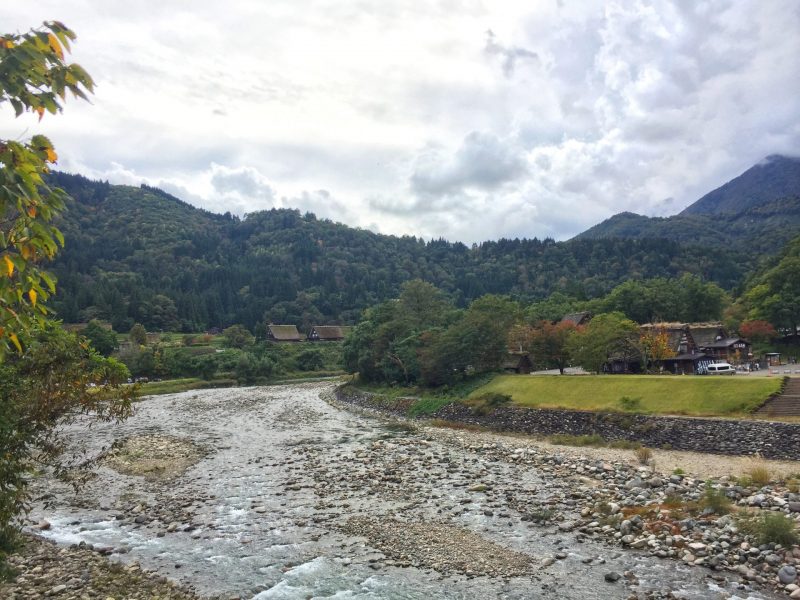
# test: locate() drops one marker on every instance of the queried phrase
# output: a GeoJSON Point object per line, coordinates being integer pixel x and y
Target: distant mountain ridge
{"type": "Point", "coordinates": [758, 211]}
{"type": "Point", "coordinates": [140, 255]}
{"type": "Point", "coordinates": [773, 178]}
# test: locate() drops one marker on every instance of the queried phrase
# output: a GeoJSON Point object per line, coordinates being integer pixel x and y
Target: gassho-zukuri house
{"type": "Point", "coordinates": [696, 345]}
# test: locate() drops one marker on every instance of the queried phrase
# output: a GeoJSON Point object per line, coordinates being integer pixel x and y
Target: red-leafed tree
{"type": "Point", "coordinates": [758, 330]}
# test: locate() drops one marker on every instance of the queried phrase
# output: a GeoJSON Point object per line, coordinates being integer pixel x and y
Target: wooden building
{"type": "Point", "coordinates": [283, 333]}
{"type": "Point", "coordinates": [328, 333]}
{"type": "Point", "coordinates": [696, 345]}
{"type": "Point", "coordinates": [517, 362]}
{"type": "Point", "coordinates": [578, 318]}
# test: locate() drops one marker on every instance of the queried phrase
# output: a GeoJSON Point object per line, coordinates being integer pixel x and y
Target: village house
{"type": "Point", "coordinates": [696, 345]}
{"type": "Point", "coordinates": [328, 333]}
{"type": "Point", "coordinates": [283, 333]}
{"type": "Point", "coordinates": [578, 318]}
{"type": "Point", "coordinates": [517, 362]}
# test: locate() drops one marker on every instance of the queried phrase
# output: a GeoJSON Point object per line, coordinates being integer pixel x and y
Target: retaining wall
{"type": "Point", "coordinates": [771, 439]}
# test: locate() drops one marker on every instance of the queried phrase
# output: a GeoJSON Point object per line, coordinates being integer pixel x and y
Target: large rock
{"type": "Point", "coordinates": [787, 574]}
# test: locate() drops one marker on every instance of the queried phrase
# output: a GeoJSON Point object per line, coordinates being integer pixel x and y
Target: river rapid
{"type": "Point", "coordinates": [292, 497]}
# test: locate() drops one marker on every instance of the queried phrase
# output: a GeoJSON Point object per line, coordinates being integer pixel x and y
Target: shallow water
{"type": "Point", "coordinates": [285, 469]}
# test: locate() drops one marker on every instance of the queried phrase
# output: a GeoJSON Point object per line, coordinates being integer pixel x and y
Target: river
{"type": "Point", "coordinates": [295, 498]}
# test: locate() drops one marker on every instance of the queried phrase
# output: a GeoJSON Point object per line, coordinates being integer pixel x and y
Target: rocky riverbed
{"type": "Point", "coordinates": [278, 493]}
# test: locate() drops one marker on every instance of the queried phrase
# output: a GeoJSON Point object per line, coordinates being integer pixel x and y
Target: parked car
{"type": "Point", "coordinates": [720, 368]}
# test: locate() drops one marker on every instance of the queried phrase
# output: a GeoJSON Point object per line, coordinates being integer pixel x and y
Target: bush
{"type": "Point", "coordinates": [759, 472]}
{"type": "Point", "coordinates": [715, 499]}
{"type": "Point", "coordinates": [488, 402]}
{"type": "Point", "coordinates": [309, 359]}
{"type": "Point", "coordinates": [54, 382]}
{"type": "Point", "coordinates": [577, 440]}
{"type": "Point", "coordinates": [630, 404]}
{"type": "Point", "coordinates": [771, 528]}
{"type": "Point", "coordinates": [644, 455]}
{"type": "Point", "coordinates": [494, 399]}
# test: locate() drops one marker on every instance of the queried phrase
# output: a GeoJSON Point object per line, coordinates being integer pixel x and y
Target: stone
{"type": "Point", "coordinates": [612, 577]}
{"type": "Point", "coordinates": [787, 574]}
{"type": "Point", "coordinates": [43, 525]}
{"type": "Point", "coordinates": [793, 506]}
{"type": "Point", "coordinates": [56, 590]}
{"type": "Point", "coordinates": [696, 546]}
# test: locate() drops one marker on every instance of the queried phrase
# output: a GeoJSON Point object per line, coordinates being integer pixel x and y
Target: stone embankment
{"type": "Point", "coordinates": [770, 439]}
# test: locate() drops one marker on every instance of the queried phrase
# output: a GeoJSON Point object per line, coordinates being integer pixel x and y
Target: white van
{"type": "Point", "coordinates": [720, 368]}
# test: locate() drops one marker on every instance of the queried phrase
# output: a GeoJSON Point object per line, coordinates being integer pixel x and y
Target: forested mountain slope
{"type": "Point", "coordinates": [759, 211]}
{"type": "Point", "coordinates": [139, 254]}
{"type": "Point", "coordinates": [773, 178]}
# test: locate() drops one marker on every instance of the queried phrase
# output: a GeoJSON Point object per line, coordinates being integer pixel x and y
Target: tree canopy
{"type": "Point", "coordinates": [34, 77]}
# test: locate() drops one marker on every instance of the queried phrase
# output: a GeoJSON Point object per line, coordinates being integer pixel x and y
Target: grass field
{"type": "Point", "coordinates": [654, 394]}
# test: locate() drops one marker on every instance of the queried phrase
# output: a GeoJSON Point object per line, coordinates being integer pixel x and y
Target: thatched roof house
{"type": "Point", "coordinates": [517, 362]}
{"type": "Point", "coordinates": [328, 333]}
{"type": "Point", "coordinates": [578, 318]}
{"type": "Point", "coordinates": [283, 333]}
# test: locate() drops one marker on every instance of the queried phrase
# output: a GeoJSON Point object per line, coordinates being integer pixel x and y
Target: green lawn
{"type": "Point", "coordinates": [684, 395]}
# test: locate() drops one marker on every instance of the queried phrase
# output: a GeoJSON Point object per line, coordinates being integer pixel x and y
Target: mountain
{"type": "Point", "coordinates": [774, 178]}
{"type": "Point", "coordinates": [759, 211]}
{"type": "Point", "coordinates": [142, 255]}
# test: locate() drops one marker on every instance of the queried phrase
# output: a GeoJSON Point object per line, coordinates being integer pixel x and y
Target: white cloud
{"type": "Point", "coordinates": [470, 121]}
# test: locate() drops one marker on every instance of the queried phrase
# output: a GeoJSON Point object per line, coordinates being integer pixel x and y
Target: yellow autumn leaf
{"type": "Point", "coordinates": [32, 212]}
{"type": "Point", "coordinates": [33, 296]}
{"type": "Point", "coordinates": [9, 265]}
{"type": "Point", "coordinates": [40, 111]}
{"type": "Point", "coordinates": [15, 339]}
{"type": "Point", "coordinates": [55, 45]}
{"type": "Point", "coordinates": [51, 155]}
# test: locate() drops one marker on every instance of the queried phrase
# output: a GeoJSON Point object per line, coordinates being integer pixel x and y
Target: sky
{"type": "Point", "coordinates": [468, 120]}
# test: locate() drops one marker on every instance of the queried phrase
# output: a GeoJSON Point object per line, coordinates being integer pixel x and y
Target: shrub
{"type": "Point", "coordinates": [760, 475]}
{"type": "Point", "coordinates": [715, 499]}
{"type": "Point", "coordinates": [489, 401]}
{"type": "Point", "coordinates": [495, 399]}
{"type": "Point", "coordinates": [678, 471]}
{"type": "Point", "coordinates": [630, 404]}
{"type": "Point", "coordinates": [771, 528]}
{"type": "Point", "coordinates": [644, 455]}
{"type": "Point", "coordinates": [577, 440]}
{"type": "Point", "coordinates": [759, 472]}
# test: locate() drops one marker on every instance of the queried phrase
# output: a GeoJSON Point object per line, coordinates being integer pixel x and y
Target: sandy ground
{"type": "Point", "coordinates": [698, 464]}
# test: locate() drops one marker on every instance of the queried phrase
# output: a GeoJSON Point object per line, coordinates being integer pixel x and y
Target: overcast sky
{"type": "Point", "coordinates": [468, 120]}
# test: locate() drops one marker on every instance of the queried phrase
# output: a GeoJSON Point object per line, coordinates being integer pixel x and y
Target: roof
{"type": "Point", "coordinates": [675, 332]}
{"type": "Point", "coordinates": [514, 359]}
{"type": "Point", "coordinates": [705, 334]}
{"type": "Point", "coordinates": [331, 332]}
{"type": "Point", "coordinates": [725, 342]}
{"type": "Point", "coordinates": [688, 357]}
{"type": "Point", "coordinates": [577, 318]}
{"type": "Point", "coordinates": [285, 333]}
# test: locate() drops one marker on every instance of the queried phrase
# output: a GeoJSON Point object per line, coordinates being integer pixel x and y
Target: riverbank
{"type": "Point", "coordinates": [47, 570]}
{"type": "Point", "coordinates": [279, 494]}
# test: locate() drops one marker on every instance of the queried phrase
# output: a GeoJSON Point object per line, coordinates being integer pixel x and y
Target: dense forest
{"type": "Point", "coordinates": [141, 255]}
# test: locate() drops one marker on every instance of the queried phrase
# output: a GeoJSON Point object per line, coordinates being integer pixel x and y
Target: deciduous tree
{"type": "Point", "coordinates": [549, 344]}
{"type": "Point", "coordinates": [34, 77]}
{"type": "Point", "coordinates": [607, 336]}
